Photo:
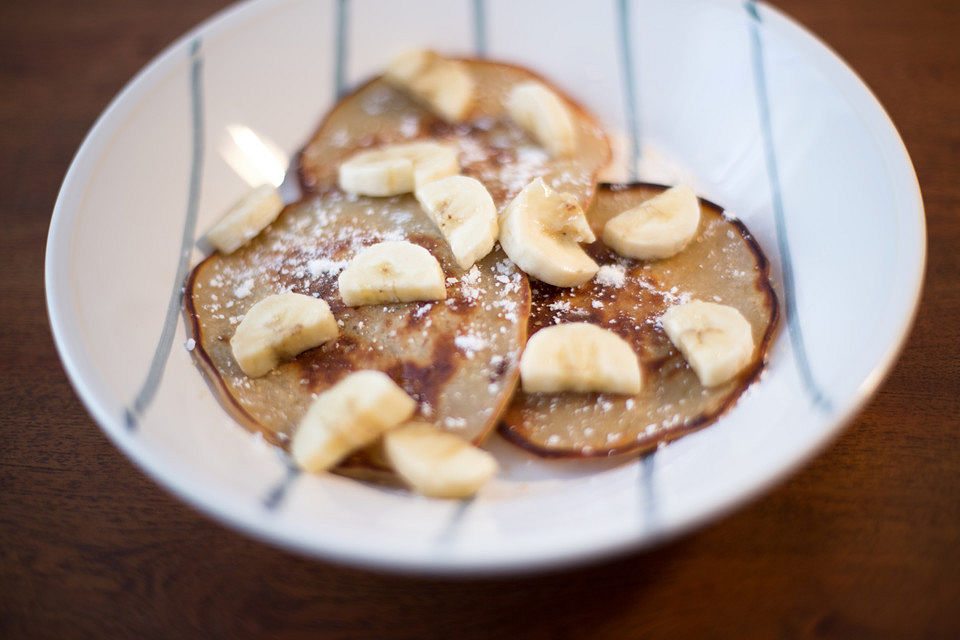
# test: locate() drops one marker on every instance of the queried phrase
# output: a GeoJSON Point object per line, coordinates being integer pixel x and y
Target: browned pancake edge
{"type": "Point", "coordinates": [517, 435]}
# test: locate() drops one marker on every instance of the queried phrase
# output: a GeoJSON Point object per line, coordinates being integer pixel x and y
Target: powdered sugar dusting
{"type": "Point", "coordinates": [245, 289]}
{"type": "Point", "coordinates": [470, 343]}
{"type": "Point", "coordinates": [470, 284]}
{"type": "Point", "coordinates": [325, 266]}
{"type": "Point", "coordinates": [611, 275]}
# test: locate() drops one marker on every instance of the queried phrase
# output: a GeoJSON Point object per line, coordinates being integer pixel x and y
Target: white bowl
{"type": "Point", "coordinates": [762, 117]}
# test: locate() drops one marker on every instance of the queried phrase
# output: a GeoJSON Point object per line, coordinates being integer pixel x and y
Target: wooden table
{"type": "Point", "coordinates": [865, 541]}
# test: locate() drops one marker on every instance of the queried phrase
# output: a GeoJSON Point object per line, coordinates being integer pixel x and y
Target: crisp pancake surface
{"type": "Point", "coordinates": [722, 264]}
{"type": "Point", "coordinates": [492, 148]}
{"type": "Point", "coordinates": [457, 357]}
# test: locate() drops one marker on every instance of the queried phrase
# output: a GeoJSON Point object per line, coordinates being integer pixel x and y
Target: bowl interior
{"type": "Point", "coordinates": [734, 98]}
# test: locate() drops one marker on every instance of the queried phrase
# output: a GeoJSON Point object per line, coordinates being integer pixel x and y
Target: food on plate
{"type": "Point", "coordinates": [578, 356]}
{"type": "Point", "coordinates": [630, 297]}
{"type": "Point", "coordinates": [350, 415]}
{"type": "Point", "coordinates": [494, 148]}
{"type": "Point", "coordinates": [437, 463]}
{"type": "Point", "coordinates": [248, 217]}
{"type": "Point", "coordinates": [457, 357]}
{"type": "Point", "coordinates": [541, 232]}
{"type": "Point", "coordinates": [656, 228]}
{"type": "Point", "coordinates": [463, 210]}
{"type": "Point", "coordinates": [391, 271]}
{"type": "Point", "coordinates": [377, 329]}
{"type": "Point", "coordinates": [445, 86]}
{"type": "Point", "coordinates": [544, 115]}
{"type": "Point", "coordinates": [279, 327]}
{"type": "Point", "coordinates": [397, 168]}
{"type": "Point", "coordinates": [715, 339]}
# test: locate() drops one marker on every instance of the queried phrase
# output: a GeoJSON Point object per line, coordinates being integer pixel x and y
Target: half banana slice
{"type": "Point", "coordinates": [398, 168]}
{"type": "Point", "coordinates": [544, 115]}
{"type": "Point", "coordinates": [715, 339]}
{"type": "Point", "coordinates": [541, 232]}
{"type": "Point", "coordinates": [436, 463]}
{"type": "Point", "coordinates": [444, 85]}
{"type": "Point", "coordinates": [350, 415]}
{"type": "Point", "coordinates": [579, 356]}
{"type": "Point", "coordinates": [280, 327]}
{"type": "Point", "coordinates": [396, 271]}
{"type": "Point", "coordinates": [465, 213]}
{"type": "Point", "coordinates": [245, 219]}
{"type": "Point", "coordinates": [659, 228]}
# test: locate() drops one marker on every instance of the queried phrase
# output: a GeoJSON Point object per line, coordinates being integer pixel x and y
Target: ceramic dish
{"type": "Point", "coordinates": [732, 96]}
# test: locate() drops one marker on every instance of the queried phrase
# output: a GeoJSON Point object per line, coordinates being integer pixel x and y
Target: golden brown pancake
{"type": "Point", "coordinates": [722, 264]}
{"type": "Point", "coordinates": [457, 357]}
{"type": "Point", "coordinates": [492, 148]}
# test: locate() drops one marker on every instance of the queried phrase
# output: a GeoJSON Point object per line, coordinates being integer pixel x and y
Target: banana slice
{"type": "Point", "coordinates": [445, 85]}
{"type": "Point", "coordinates": [715, 339]}
{"type": "Point", "coordinates": [541, 231]}
{"type": "Point", "coordinates": [659, 228]}
{"type": "Point", "coordinates": [396, 271]}
{"type": "Point", "coordinates": [544, 115]}
{"type": "Point", "coordinates": [579, 356]}
{"type": "Point", "coordinates": [279, 327]}
{"type": "Point", "coordinates": [350, 415]}
{"type": "Point", "coordinates": [465, 213]}
{"type": "Point", "coordinates": [245, 219]}
{"type": "Point", "coordinates": [436, 463]}
{"type": "Point", "coordinates": [398, 168]}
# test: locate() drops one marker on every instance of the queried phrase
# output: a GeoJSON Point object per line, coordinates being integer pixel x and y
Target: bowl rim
{"type": "Point", "coordinates": [178, 478]}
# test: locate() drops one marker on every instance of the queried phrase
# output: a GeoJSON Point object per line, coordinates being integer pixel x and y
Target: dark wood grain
{"type": "Point", "coordinates": [864, 542]}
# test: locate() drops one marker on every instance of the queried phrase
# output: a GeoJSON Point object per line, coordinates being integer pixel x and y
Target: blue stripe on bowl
{"type": "Point", "coordinates": [160, 355]}
{"type": "Point", "coordinates": [340, 44]}
{"type": "Point", "coordinates": [789, 282]}
{"type": "Point", "coordinates": [479, 28]}
{"type": "Point", "coordinates": [629, 89]}
{"type": "Point", "coordinates": [276, 495]}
